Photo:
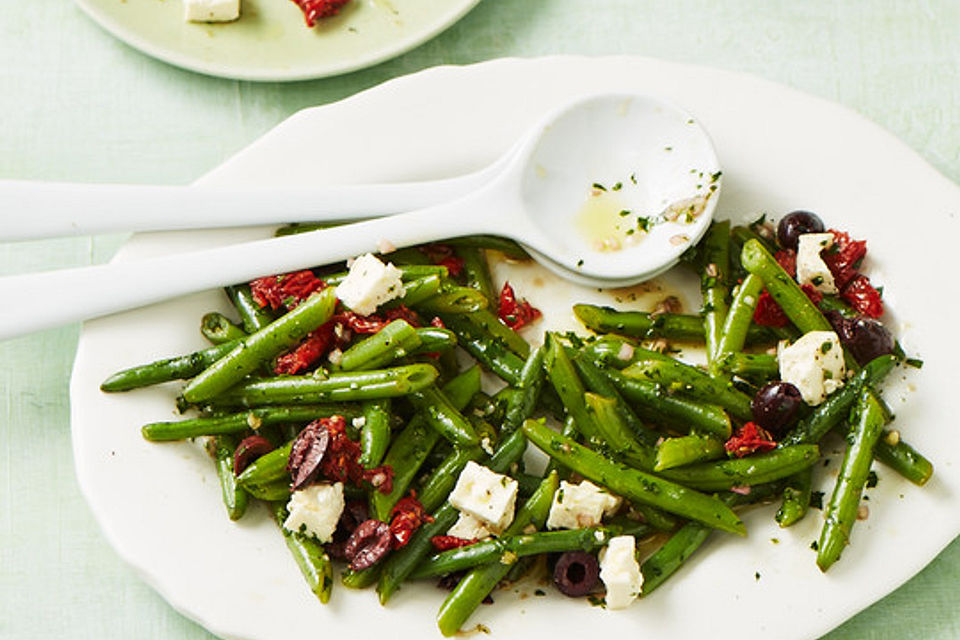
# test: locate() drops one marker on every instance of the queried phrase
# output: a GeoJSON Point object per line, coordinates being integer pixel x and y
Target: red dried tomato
{"type": "Point", "coordinates": [844, 257]}
{"type": "Point", "coordinates": [445, 543]}
{"type": "Point", "coordinates": [438, 323]}
{"type": "Point", "coordinates": [442, 254]}
{"type": "Point", "coordinates": [307, 353]}
{"type": "Point", "coordinates": [405, 518]}
{"type": "Point", "coordinates": [403, 312]}
{"type": "Point", "coordinates": [341, 459]}
{"type": "Point", "coordinates": [514, 313]}
{"type": "Point", "coordinates": [787, 258]}
{"type": "Point", "coordinates": [748, 439]}
{"type": "Point", "coordinates": [769, 314]}
{"type": "Point", "coordinates": [864, 297]}
{"type": "Point", "coordinates": [314, 10]}
{"type": "Point", "coordinates": [285, 290]}
{"type": "Point", "coordinates": [360, 324]}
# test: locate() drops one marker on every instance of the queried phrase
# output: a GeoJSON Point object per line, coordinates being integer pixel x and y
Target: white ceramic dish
{"type": "Point", "coordinates": [270, 41]}
{"type": "Point", "coordinates": [159, 504]}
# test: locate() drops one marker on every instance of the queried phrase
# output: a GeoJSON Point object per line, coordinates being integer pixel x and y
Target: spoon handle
{"type": "Point", "coordinates": [34, 210]}
{"type": "Point", "coordinates": [54, 298]}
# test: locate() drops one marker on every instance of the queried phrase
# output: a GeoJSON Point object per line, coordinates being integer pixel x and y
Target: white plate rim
{"type": "Point", "coordinates": [941, 189]}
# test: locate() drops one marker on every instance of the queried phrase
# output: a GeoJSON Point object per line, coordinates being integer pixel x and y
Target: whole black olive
{"type": "Point", "coordinates": [576, 573]}
{"type": "Point", "coordinates": [865, 338]}
{"type": "Point", "coordinates": [776, 405]}
{"type": "Point", "coordinates": [795, 224]}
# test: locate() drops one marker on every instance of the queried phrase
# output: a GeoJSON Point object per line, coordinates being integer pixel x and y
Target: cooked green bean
{"type": "Point", "coordinates": [616, 436]}
{"type": "Point", "coordinates": [796, 498]}
{"type": "Point", "coordinates": [739, 318]}
{"type": "Point", "coordinates": [640, 324]}
{"type": "Point", "coordinates": [755, 367]}
{"type": "Point", "coordinates": [689, 381]}
{"type": "Point", "coordinates": [393, 341]}
{"type": "Point", "coordinates": [715, 265]}
{"type": "Point", "coordinates": [759, 468]}
{"type": "Point", "coordinates": [903, 458]}
{"type": "Point", "coordinates": [595, 379]}
{"type": "Point", "coordinates": [441, 415]}
{"type": "Point", "coordinates": [310, 556]}
{"type": "Point", "coordinates": [375, 432]}
{"type": "Point", "coordinates": [569, 387]}
{"type": "Point", "coordinates": [522, 403]}
{"type": "Point", "coordinates": [235, 498]}
{"type": "Point", "coordinates": [240, 422]}
{"type": "Point", "coordinates": [507, 247]}
{"type": "Point", "coordinates": [254, 350]}
{"type": "Point", "coordinates": [476, 272]}
{"type": "Point", "coordinates": [685, 450]}
{"type": "Point", "coordinates": [218, 329]}
{"type": "Point", "coordinates": [252, 316]}
{"type": "Point", "coordinates": [269, 468]}
{"type": "Point", "coordinates": [454, 299]}
{"type": "Point", "coordinates": [176, 368]}
{"type": "Point", "coordinates": [492, 353]}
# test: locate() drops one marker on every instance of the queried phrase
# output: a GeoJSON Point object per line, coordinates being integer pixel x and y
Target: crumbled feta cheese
{"type": "Point", "coordinates": [369, 284]}
{"type": "Point", "coordinates": [813, 364]}
{"type": "Point", "coordinates": [211, 10]}
{"type": "Point", "coordinates": [315, 510]}
{"type": "Point", "coordinates": [580, 505]}
{"type": "Point", "coordinates": [620, 572]}
{"type": "Point", "coordinates": [486, 495]}
{"type": "Point", "coordinates": [811, 269]}
{"type": "Point", "coordinates": [469, 528]}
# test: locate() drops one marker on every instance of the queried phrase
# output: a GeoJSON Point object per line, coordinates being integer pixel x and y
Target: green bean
{"type": "Point", "coordinates": [218, 329]}
{"type": "Point", "coordinates": [902, 458]}
{"type": "Point", "coordinates": [412, 445]}
{"type": "Point", "coordinates": [434, 340]}
{"type": "Point", "coordinates": [375, 432]}
{"type": "Point", "coordinates": [841, 513]}
{"type": "Point", "coordinates": [360, 579]}
{"type": "Point", "coordinates": [393, 341]}
{"type": "Point", "coordinates": [520, 546]}
{"type": "Point", "coordinates": [595, 379]}
{"type": "Point", "coordinates": [335, 387]}
{"type": "Point", "coordinates": [633, 484]}
{"type": "Point", "coordinates": [640, 324]}
{"type": "Point", "coordinates": [476, 271]}
{"type": "Point", "coordinates": [742, 235]}
{"type": "Point", "coordinates": [277, 490]}
{"type": "Point", "coordinates": [569, 430]}
{"type": "Point", "coordinates": [796, 498]}
{"type": "Point", "coordinates": [257, 348]}
{"type": "Point", "coordinates": [242, 421]}
{"type": "Point", "coordinates": [442, 479]}
{"type": "Point", "coordinates": [235, 498]}
{"type": "Point", "coordinates": [655, 404]}
{"type": "Point", "coordinates": [401, 563]}
{"type": "Point", "coordinates": [616, 436]}
{"type": "Point", "coordinates": [715, 265]}
{"type": "Point", "coordinates": [417, 291]}
{"type": "Point", "coordinates": [758, 468]}
{"type": "Point", "coordinates": [409, 273]}
{"type": "Point", "coordinates": [310, 556]}
{"type": "Point", "coordinates": [685, 450]}
{"type": "Point", "coordinates": [441, 415]}
{"type": "Point", "coordinates": [755, 367]}
{"type": "Point", "coordinates": [253, 317]}
{"type": "Point", "coordinates": [476, 585]}
{"type": "Point", "coordinates": [619, 352]}
{"type": "Point", "coordinates": [687, 380]}
{"type": "Point", "coordinates": [656, 518]}
{"type": "Point", "coordinates": [176, 368]}
{"type": "Point", "coordinates": [739, 319]}
{"type": "Point", "coordinates": [569, 387]}
{"type": "Point", "coordinates": [454, 299]}
{"type": "Point", "coordinates": [508, 248]}
{"type": "Point", "coordinates": [783, 288]}
{"type": "Point", "coordinates": [490, 324]}
{"type": "Point", "coordinates": [492, 353]}
{"type": "Point", "coordinates": [268, 468]}
{"type": "Point", "coordinates": [523, 402]}
{"type": "Point", "coordinates": [837, 406]}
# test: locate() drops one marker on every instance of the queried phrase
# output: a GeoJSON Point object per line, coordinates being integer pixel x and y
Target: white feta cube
{"type": "Point", "coordinates": [813, 364]}
{"type": "Point", "coordinates": [488, 496]}
{"type": "Point", "coordinates": [211, 10]}
{"type": "Point", "coordinates": [369, 284]}
{"type": "Point", "coordinates": [811, 269]}
{"type": "Point", "coordinates": [580, 505]}
{"type": "Point", "coordinates": [620, 572]}
{"type": "Point", "coordinates": [469, 528]}
{"type": "Point", "coordinates": [315, 510]}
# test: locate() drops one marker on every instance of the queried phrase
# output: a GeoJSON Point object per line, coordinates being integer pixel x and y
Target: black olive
{"type": "Point", "coordinates": [368, 544]}
{"type": "Point", "coordinates": [776, 405]}
{"type": "Point", "coordinates": [576, 573]}
{"type": "Point", "coordinates": [865, 338]}
{"type": "Point", "coordinates": [795, 224]}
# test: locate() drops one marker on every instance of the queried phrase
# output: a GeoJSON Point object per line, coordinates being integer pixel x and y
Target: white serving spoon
{"type": "Point", "coordinates": [578, 191]}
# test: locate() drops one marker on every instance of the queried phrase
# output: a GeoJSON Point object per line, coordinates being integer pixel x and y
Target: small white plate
{"type": "Point", "coordinates": [270, 41]}
{"type": "Point", "coordinates": [781, 150]}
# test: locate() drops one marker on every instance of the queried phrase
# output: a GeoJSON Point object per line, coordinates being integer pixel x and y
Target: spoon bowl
{"type": "Point", "coordinates": [608, 191]}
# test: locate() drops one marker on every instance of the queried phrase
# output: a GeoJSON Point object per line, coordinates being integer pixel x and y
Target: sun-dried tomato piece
{"type": "Point", "coordinates": [515, 313]}
{"type": "Point", "coordinates": [249, 449]}
{"type": "Point", "coordinates": [438, 323]}
{"type": "Point", "coordinates": [285, 290]}
{"type": "Point", "coordinates": [864, 297]}
{"type": "Point", "coordinates": [748, 439]}
{"type": "Point", "coordinates": [314, 10]}
{"type": "Point", "coordinates": [403, 312]}
{"type": "Point", "coordinates": [844, 257]}
{"type": "Point", "coordinates": [768, 312]}
{"type": "Point", "coordinates": [316, 345]}
{"type": "Point", "coordinates": [442, 254]}
{"type": "Point", "coordinates": [368, 544]}
{"type": "Point", "coordinates": [360, 324]}
{"type": "Point", "coordinates": [380, 478]}
{"type": "Point", "coordinates": [787, 258]}
{"type": "Point", "coordinates": [309, 451]}
{"type": "Point", "coordinates": [405, 518]}
{"type": "Point", "coordinates": [445, 543]}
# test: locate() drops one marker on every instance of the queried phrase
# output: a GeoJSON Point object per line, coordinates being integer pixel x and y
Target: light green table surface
{"type": "Point", "coordinates": [77, 105]}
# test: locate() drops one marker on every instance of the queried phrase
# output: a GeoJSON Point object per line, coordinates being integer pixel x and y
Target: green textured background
{"type": "Point", "coordinates": [77, 105]}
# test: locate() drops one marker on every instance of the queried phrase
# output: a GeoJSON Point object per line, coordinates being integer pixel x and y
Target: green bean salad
{"type": "Point", "coordinates": [382, 410]}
